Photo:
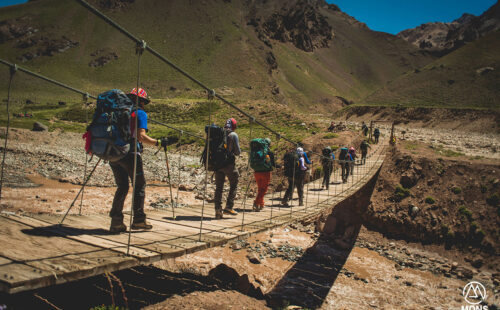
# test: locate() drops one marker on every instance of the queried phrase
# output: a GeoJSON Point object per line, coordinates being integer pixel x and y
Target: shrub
{"type": "Point", "coordinates": [474, 226]}
{"type": "Point", "coordinates": [430, 200]}
{"type": "Point", "coordinates": [401, 193]}
{"type": "Point", "coordinates": [465, 212]}
{"type": "Point", "coordinates": [456, 190]}
{"type": "Point", "coordinates": [493, 200]}
{"type": "Point", "coordinates": [330, 135]}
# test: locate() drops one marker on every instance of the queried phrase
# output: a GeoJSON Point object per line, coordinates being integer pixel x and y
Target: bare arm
{"type": "Point", "coordinates": [144, 138]}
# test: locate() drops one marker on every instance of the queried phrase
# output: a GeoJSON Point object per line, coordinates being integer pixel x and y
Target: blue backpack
{"type": "Point", "coordinates": [110, 131]}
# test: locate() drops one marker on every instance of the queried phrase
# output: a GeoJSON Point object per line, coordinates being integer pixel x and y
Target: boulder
{"type": "Point", "coordinates": [37, 126]}
{"type": "Point", "coordinates": [408, 179]}
{"type": "Point", "coordinates": [253, 258]}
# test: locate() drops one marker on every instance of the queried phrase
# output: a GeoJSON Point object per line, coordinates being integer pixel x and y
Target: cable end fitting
{"type": "Point", "coordinates": [13, 69]}
{"type": "Point", "coordinates": [140, 47]}
{"type": "Point", "coordinates": [211, 94]}
{"type": "Point", "coordinates": [252, 119]}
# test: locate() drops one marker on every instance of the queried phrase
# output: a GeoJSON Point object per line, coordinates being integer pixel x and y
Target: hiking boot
{"type": "Point", "coordinates": [261, 207]}
{"type": "Point", "coordinates": [142, 225]}
{"type": "Point", "coordinates": [284, 203]}
{"type": "Point", "coordinates": [301, 203]}
{"type": "Point", "coordinates": [230, 211]}
{"type": "Point", "coordinates": [256, 207]}
{"type": "Point", "coordinates": [117, 228]}
{"type": "Point", "coordinates": [218, 215]}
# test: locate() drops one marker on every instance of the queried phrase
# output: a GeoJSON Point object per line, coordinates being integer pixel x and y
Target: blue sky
{"type": "Point", "coordinates": [395, 15]}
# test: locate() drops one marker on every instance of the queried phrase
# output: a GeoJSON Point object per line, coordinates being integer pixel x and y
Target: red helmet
{"type": "Point", "coordinates": [143, 96]}
{"type": "Point", "coordinates": [230, 124]}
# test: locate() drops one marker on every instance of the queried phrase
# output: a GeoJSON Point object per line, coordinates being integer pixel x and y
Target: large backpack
{"type": "Point", "coordinates": [259, 155]}
{"type": "Point", "coordinates": [344, 154]}
{"type": "Point", "coordinates": [109, 131]}
{"type": "Point", "coordinates": [218, 156]}
{"type": "Point", "coordinates": [376, 132]}
{"type": "Point", "coordinates": [291, 164]}
{"type": "Point", "coordinates": [364, 146]}
{"type": "Point", "coordinates": [326, 159]}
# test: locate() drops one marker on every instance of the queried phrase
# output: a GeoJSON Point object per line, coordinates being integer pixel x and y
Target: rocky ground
{"type": "Point", "coordinates": [289, 267]}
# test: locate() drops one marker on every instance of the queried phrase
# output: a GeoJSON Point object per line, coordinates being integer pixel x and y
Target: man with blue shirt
{"type": "Point", "coordinates": [124, 169]}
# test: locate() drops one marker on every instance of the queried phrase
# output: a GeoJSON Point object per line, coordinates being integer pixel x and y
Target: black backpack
{"type": "Point", "coordinates": [218, 156]}
{"type": "Point", "coordinates": [291, 164]}
{"type": "Point", "coordinates": [326, 151]}
{"type": "Point", "coordinates": [110, 131]}
{"type": "Point", "coordinates": [376, 132]}
{"type": "Point", "coordinates": [344, 154]}
{"type": "Point", "coordinates": [364, 146]}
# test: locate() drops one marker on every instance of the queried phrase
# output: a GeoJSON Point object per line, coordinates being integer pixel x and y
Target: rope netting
{"type": "Point", "coordinates": [281, 146]}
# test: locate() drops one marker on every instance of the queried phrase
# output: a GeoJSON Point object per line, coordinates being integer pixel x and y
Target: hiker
{"type": "Point", "coordinates": [123, 169]}
{"type": "Point", "coordinates": [376, 134]}
{"type": "Point", "coordinates": [262, 162]}
{"type": "Point", "coordinates": [352, 152]}
{"type": "Point", "coordinates": [332, 126]}
{"type": "Point", "coordinates": [295, 171]}
{"type": "Point", "coordinates": [364, 128]}
{"type": "Point", "coordinates": [228, 169]}
{"type": "Point", "coordinates": [344, 160]}
{"type": "Point", "coordinates": [327, 162]}
{"type": "Point", "coordinates": [364, 150]}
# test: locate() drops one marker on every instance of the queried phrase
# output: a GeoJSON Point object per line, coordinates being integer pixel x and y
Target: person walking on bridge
{"type": "Point", "coordinates": [344, 160]}
{"type": "Point", "coordinates": [229, 170]}
{"type": "Point", "coordinates": [123, 169]}
{"type": "Point", "coordinates": [327, 163]}
{"type": "Point", "coordinates": [376, 134]}
{"type": "Point", "coordinates": [364, 128]}
{"type": "Point", "coordinates": [295, 171]}
{"type": "Point", "coordinates": [364, 150]}
{"type": "Point", "coordinates": [262, 161]}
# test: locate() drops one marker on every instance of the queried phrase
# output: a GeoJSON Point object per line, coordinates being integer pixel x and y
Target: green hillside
{"type": "Point", "coordinates": [466, 78]}
{"type": "Point", "coordinates": [213, 41]}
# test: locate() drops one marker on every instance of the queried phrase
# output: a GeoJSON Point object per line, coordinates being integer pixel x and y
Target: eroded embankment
{"type": "Point", "coordinates": [434, 200]}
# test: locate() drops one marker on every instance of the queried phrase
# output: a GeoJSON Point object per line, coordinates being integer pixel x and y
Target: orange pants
{"type": "Point", "coordinates": [262, 179]}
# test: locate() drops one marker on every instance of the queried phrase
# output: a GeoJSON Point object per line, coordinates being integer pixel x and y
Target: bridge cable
{"type": "Point", "coordinates": [179, 170]}
{"type": "Point", "coordinates": [12, 72]}
{"type": "Point", "coordinates": [211, 95]}
{"type": "Point", "coordinates": [249, 178]}
{"type": "Point", "coordinates": [138, 50]}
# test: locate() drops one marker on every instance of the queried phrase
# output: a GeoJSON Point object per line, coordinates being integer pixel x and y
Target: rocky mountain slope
{"type": "Point", "coordinates": [300, 53]}
{"type": "Point", "coordinates": [442, 38]}
{"type": "Point", "coordinates": [465, 78]}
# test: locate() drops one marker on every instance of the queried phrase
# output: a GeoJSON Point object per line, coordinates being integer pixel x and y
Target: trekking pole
{"type": "Point", "coordinates": [85, 98]}
{"type": "Point", "coordinates": [169, 182]}
{"type": "Point", "coordinates": [13, 70]}
{"type": "Point", "coordinates": [81, 190]}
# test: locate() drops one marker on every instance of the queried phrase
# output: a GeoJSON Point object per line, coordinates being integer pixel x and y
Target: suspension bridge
{"type": "Point", "coordinates": [40, 250]}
